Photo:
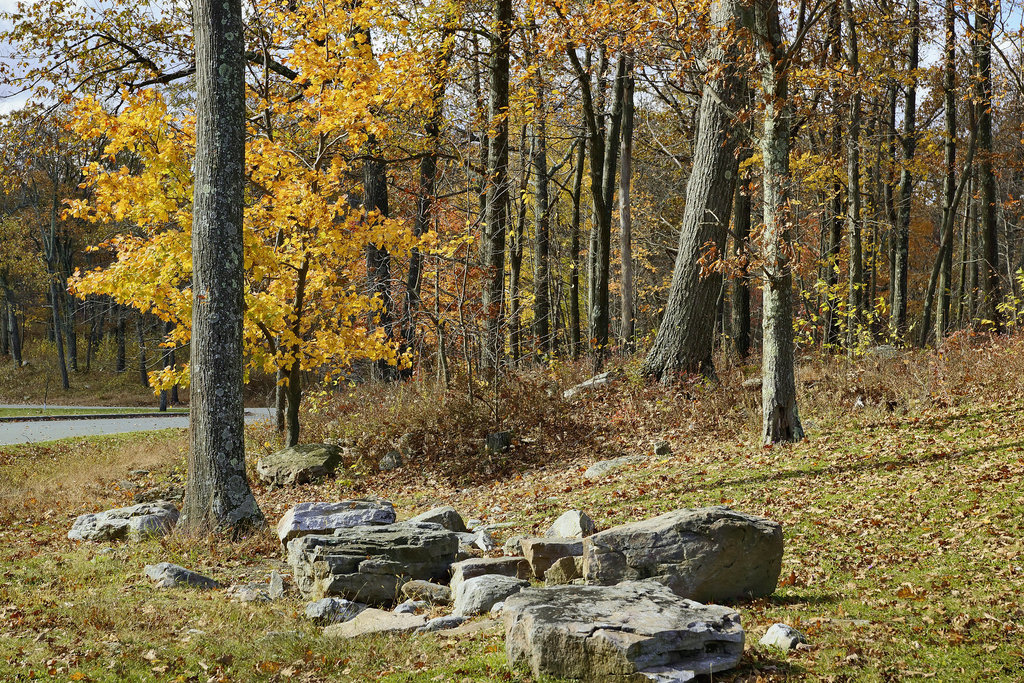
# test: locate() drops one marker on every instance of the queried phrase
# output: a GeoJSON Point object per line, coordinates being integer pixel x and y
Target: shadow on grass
{"type": "Point", "coordinates": [863, 466]}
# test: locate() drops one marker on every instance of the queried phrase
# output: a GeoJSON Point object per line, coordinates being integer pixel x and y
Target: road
{"type": "Point", "coordinates": [50, 430]}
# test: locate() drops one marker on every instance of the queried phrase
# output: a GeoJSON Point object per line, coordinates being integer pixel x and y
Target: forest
{"type": "Point", "coordinates": [463, 246]}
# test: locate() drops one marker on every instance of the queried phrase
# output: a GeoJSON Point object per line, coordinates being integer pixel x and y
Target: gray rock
{"type": "Point", "coordinates": [371, 563]}
{"type": "Point", "coordinates": [572, 524]}
{"type": "Point", "coordinates": [298, 464]}
{"type": "Point", "coordinates": [133, 523]}
{"type": "Point", "coordinates": [496, 609]}
{"type": "Point", "coordinates": [782, 636]}
{"type": "Point", "coordinates": [447, 516]}
{"type": "Point", "coordinates": [249, 592]}
{"type": "Point", "coordinates": [433, 593]}
{"type": "Point", "coordinates": [564, 571]}
{"type": "Point", "coordinates": [706, 554]}
{"type": "Point", "coordinates": [662, 448]}
{"type": "Point", "coordinates": [516, 567]}
{"type": "Point", "coordinates": [485, 541]}
{"type": "Point", "coordinates": [169, 575]}
{"type": "Point", "coordinates": [636, 631]}
{"type": "Point", "coordinates": [275, 587]}
{"type": "Point", "coordinates": [392, 460]}
{"type": "Point", "coordinates": [332, 611]}
{"type": "Point", "coordinates": [600, 380]}
{"type": "Point", "coordinates": [411, 607]}
{"type": "Point", "coordinates": [442, 624]}
{"type": "Point", "coordinates": [602, 469]}
{"type": "Point", "coordinates": [479, 594]}
{"type": "Point", "coordinates": [752, 384]}
{"type": "Point", "coordinates": [166, 491]}
{"type": "Point", "coordinates": [883, 351]}
{"type": "Point", "coordinates": [541, 553]}
{"type": "Point", "coordinates": [513, 545]}
{"type": "Point", "coordinates": [325, 518]}
{"type": "Point", "coordinates": [499, 442]}
{"type": "Point", "coordinates": [375, 621]}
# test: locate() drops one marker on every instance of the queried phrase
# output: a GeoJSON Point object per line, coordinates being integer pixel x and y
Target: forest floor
{"type": "Point", "coordinates": [903, 522]}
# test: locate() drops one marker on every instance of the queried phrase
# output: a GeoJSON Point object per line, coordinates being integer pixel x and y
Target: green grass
{"type": "Point", "coordinates": [904, 534]}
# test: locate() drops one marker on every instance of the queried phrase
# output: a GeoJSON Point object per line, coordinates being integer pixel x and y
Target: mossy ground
{"type": "Point", "coordinates": [904, 528]}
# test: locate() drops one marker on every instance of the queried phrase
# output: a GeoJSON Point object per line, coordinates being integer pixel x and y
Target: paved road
{"type": "Point", "coordinates": [31, 432]}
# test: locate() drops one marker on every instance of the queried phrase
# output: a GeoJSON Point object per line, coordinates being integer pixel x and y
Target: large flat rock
{"type": "Point", "coordinates": [516, 567]}
{"type": "Point", "coordinates": [708, 554]}
{"type": "Point", "coordinates": [635, 631]}
{"type": "Point", "coordinates": [541, 553]}
{"type": "Point", "coordinates": [370, 564]}
{"type": "Point", "coordinates": [325, 518]}
{"type": "Point", "coordinates": [133, 523]}
{"type": "Point", "coordinates": [298, 464]}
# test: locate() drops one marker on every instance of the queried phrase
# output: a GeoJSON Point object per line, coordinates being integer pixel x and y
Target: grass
{"type": "Point", "coordinates": [904, 528]}
{"type": "Point", "coordinates": [71, 410]}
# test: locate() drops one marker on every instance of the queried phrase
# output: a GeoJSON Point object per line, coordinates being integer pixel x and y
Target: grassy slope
{"type": "Point", "coordinates": [903, 526]}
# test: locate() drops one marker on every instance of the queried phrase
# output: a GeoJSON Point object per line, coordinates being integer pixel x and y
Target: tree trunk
{"type": "Point", "coordinates": [217, 493]}
{"type": "Point", "coordinates": [781, 418]}
{"type": "Point", "coordinates": [740, 319]}
{"type": "Point", "coordinates": [58, 332]}
{"type": "Point", "coordinates": [378, 260]}
{"type": "Point", "coordinates": [988, 265]}
{"type": "Point", "coordinates": [949, 185]}
{"type": "Point", "coordinates": [141, 338]}
{"type": "Point", "coordinates": [541, 216]}
{"type": "Point", "coordinates": [909, 141]}
{"type": "Point", "coordinates": [575, 341]}
{"type": "Point", "coordinates": [119, 339]}
{"type": "Point", "coordinates": [627, 291]}
{"type": "Point", "coordinates": [497, 184]}
{"type": "Point", "coordinates": [855, 299]}
{"type": "Point", "coordinates": [686, 334]}
{"type": "Point", "coordinates": [12, 326]}
{"type": "Point", "coordinates": [515, 269]}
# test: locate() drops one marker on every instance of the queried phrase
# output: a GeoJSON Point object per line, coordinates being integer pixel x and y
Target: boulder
{"type": "Point", "coordinates": [249, 592]}
{"type": "Point", "coordinates": [325, 518]}
{"type": "Point", "coordinates": [164, 491]}
{"type": "Point", "coordinates": [516, 567]}
{"type": "Point", "coordinates": [433, 593]}
{"type": "Point", "coordinates": [133, 523]}
{"type": "Point", "coordinates": [484, 541]}
{"type": "Point", "coordinates": [411, 607]}
{"type": "Point", "coordinates": [479, 594]}
{"type": "Point", "coordinates": [499, 442]}
{"type": "Point", "coordinates": [572, 524]}
{"type": "Point", "coordinates": [442, 624]}
{"type": "Point", "coordinates": [706, 554]}
{"type": "Point", "coordinates": [332, 611]}
{"type": "Point", "coordinates": [298, 464]}
{"type": "Point", "coordinates": [602, 469]}
{"type": "Point", "coordinates": [371, 563]}
{"type": "Point", "coordinates": [513, 545]}
{"type": "Point", "coordinates": [169, 575]}
{"type": "Point", "coordinates": [635, 631]}
{"type": "Point", "coordinates": [662, 448]}
{"type": "Point", "coordinates": [371, 621]}
{"type": "Point", "coordinates": [564, 571]}
{"type": "Point", "coordinates": [392, 460]}
{"type": "Point", "coordinates": [782, 636]}
{"type": "Point", "coordinates": [275, 587]}
{"type": "Point", "coordinates": [600, 380]}
{"type": "Point", "coordinates": [541, 553]}
{"type": "Point", "coordinates": [447, 516]}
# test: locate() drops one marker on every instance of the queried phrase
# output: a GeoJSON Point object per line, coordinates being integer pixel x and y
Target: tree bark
{"type": "Point", "coordinates": [217, 493]}
{"type": "Point", "coordinates": [541, 216]}
{"type": "Point", "coordinates": [627, 290]}
{"type": "Point", "coordinates": [909, 143]}
{"type": "Point", "coordinates": [119, 339]}
{"type": "Point", "coordinates": [740, 319]}
{"type": "Point", "coordinates": [855, 297]}
{"type": "Point", "coordinates": [949, 184]}
{"type": "Point", "coordinates": [575, 340]}
{"type": "Point", "coordinates": [781, 419]}
{"type": "Point", "coordinates": [141, 339]}
{"type": "Point", "coordinates": [378, 260]}
{"type": "Point", "coordinates": [988, 265]}
{"type": "Point", "coordinates": [686, 334]}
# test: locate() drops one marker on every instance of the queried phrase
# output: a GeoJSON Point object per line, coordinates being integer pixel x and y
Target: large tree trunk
{"type": "Point", "coordinates": [627, 291]}
{"type": "Point", "coordinates": [855, 297]}
{"type": "Point", "coordinates": [781, 419]}
{"type": "Point", "coordinates": [686, 334]}
{"type": "Point", "coordinates": [575, 341]}
{"type": "Point", "coordinates": [988, 265]}
{"type": "Point", "coordinates": [909, 141]}
{"type": "Point", "coordinates": [740, 320]}
{"type": "Point", "coordinates": [58, 328]}
{"type": "Point", "coordinates": [515, 256]}
{"type": "Point", "coordinates": [949, 185]}
{"type": "Point", "coordinates": [378, 260]}
{"type": "Point", "coordinates": [217, 493]}
{"type": "Point", "coordinates": [497, 184]}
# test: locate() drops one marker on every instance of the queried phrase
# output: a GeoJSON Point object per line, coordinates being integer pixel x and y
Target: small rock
{"type": "Point", "coordinates": [411, 607]}
{"type": "Point", "coordinates": [485, 541]}
{"type": "Point", "coordinates": [472, 628]}
{"type": "Point", "coordinates": [513, 545]}
{"type": "Point", "coordinates": [447, 516]}
{"type": "Point", "coordinates": [496, 609]}
{"type": "Point", "coordinates": [325, 518]}
{"type": "Point", "coordinates": [783, 636]}
{"type": "Point", "coordinates": [138, 473]}
{"type": "Point", "coordinates": [126, 485]}
{"type": "Point", "coordinates": [479, 594]}
{"type": "Point", "coordinates": [752, 384]}
{"type": "Point", "coordinates": [499, 442]}
{"type": "Point", "coordinates": [564, 571]}
{"type": "Point", "coordinates": [516, 567]}
{"type": "Point", "coordinates": [541, 553]}
{"type": "Point", "coordinates": [662, 448]}
{"type": "Point", "coordinates": [606, 467]}
{"type": "Point", "coordinates": [166, 491]}
{"type": "Point", "coordinates": [596, 381]}
{"type": "Point", "coordinates": [275, 589]}
{"type": "Point", "coordinates": [298, 464]}
{"type": "Point", "coordinates": [442, 624]}
{"type": "Point", "coordinates": [392, 460]}
{"type": "Point", "coordinates": [169, 575]}
{"type": "Point", "coordinates": [133, 523]}
{"type": "Point", "coordinates": [572, 524]}
{"type": "Point", "coordinates": [333, 611]}
{"type": "Point", "coordinates": [250, 592]}
{"type": "Point", "coordinates": [433, 593]}
{"type": "Point", "coordinates": [371, 621]}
